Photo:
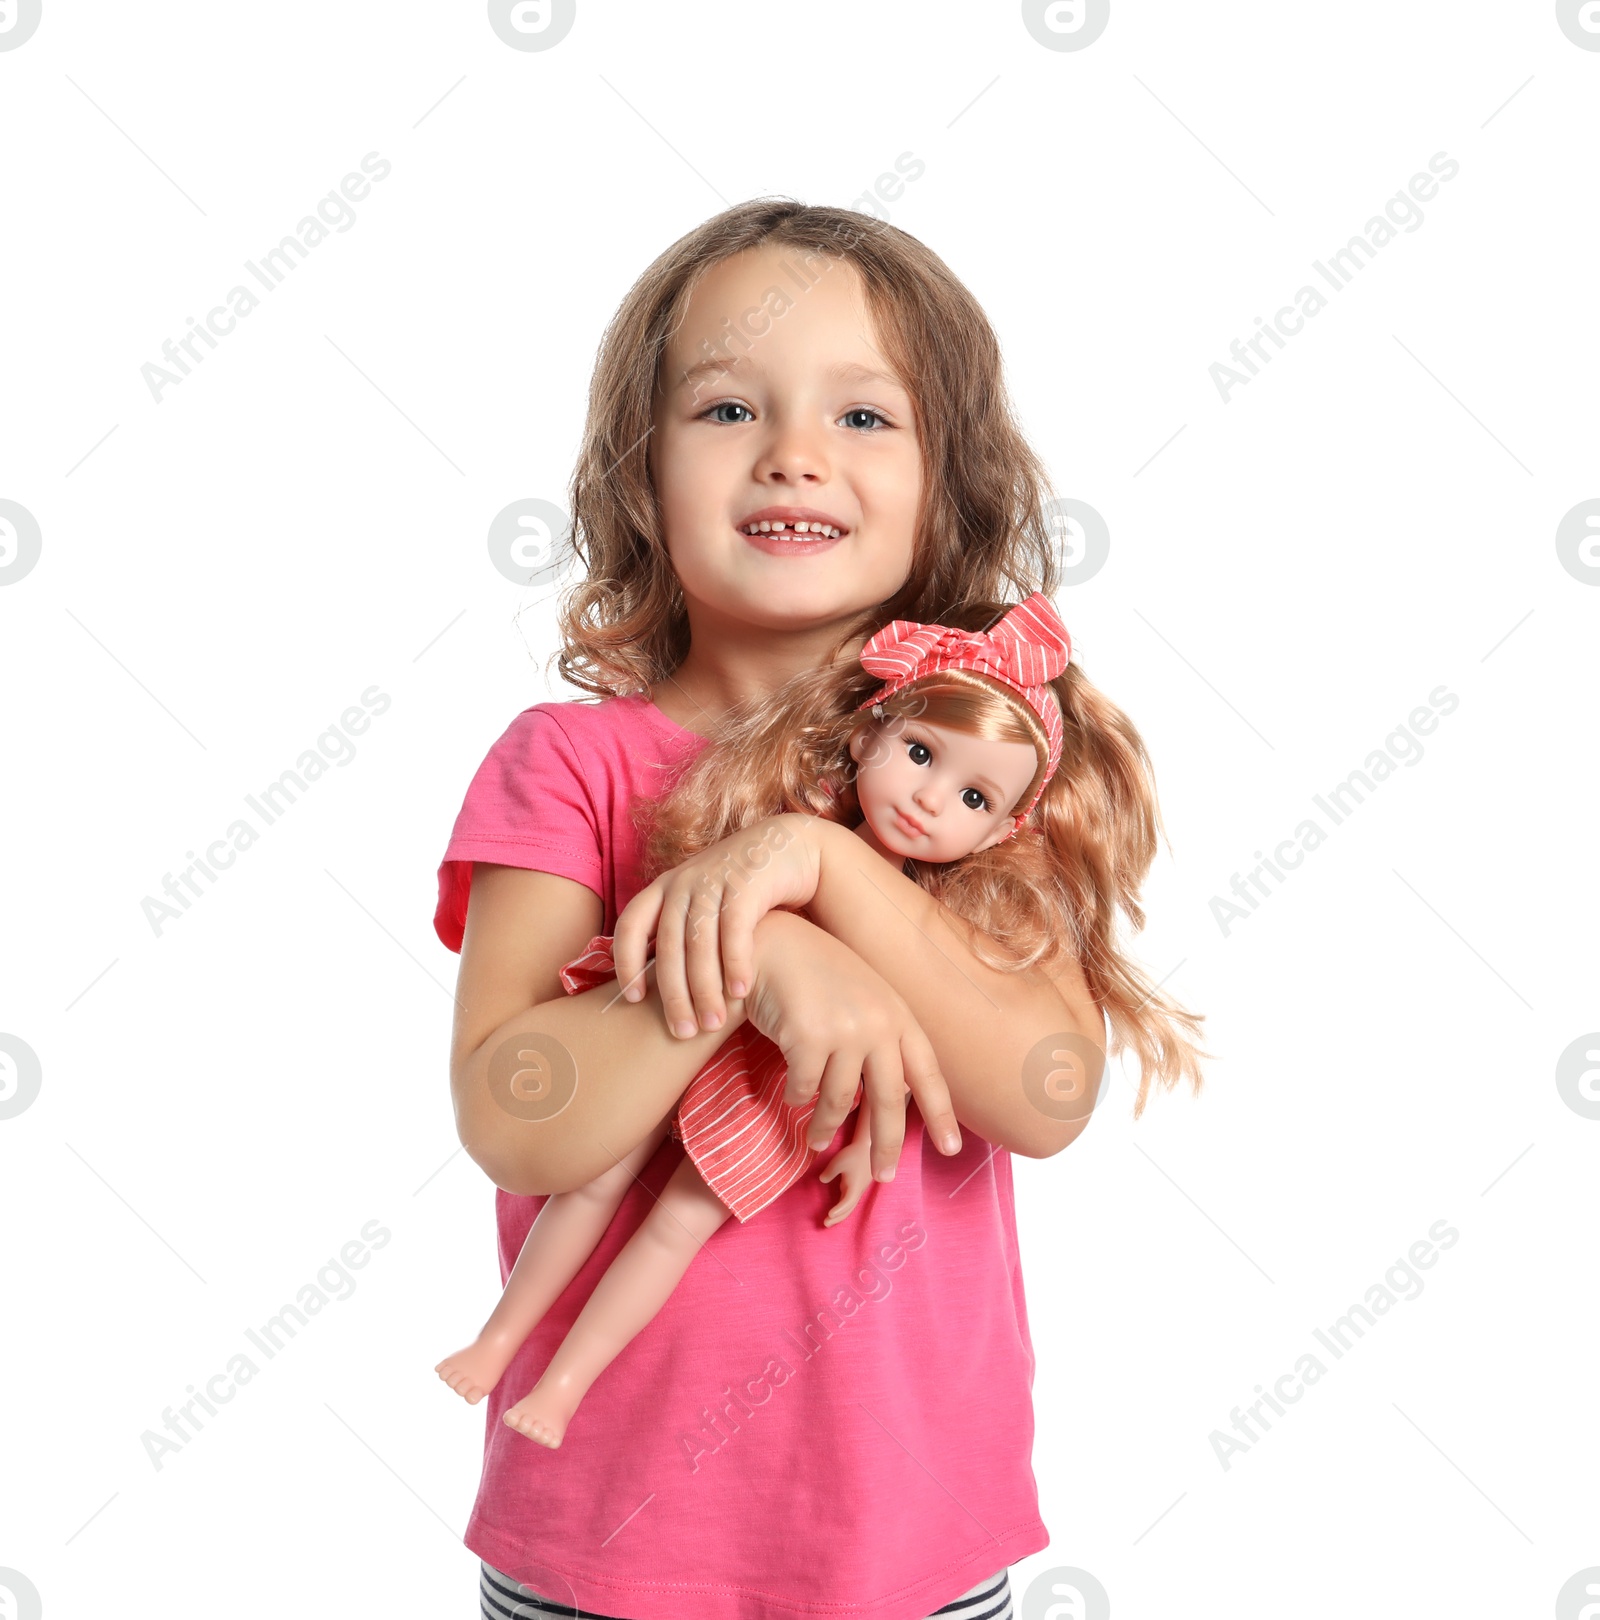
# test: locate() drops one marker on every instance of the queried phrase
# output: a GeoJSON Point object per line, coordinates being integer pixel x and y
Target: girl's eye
{"type": "Point", "coordinates": [969, 794]}
{"type": "Point", "coordinates": [734, 405]}
{"type": "Point", "coordinates": [867, 410]}
{"type": "Point", "coordinates": [726, 405]}
{"type": "Point", "coordinates": [920, 754]}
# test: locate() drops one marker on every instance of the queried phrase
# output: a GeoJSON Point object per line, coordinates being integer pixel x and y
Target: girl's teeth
{"type": "Point", "coordinates": [821, 529]}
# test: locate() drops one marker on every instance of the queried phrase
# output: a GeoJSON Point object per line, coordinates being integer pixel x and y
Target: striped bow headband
{"type": "Point", "coordinates": [1026, 649]}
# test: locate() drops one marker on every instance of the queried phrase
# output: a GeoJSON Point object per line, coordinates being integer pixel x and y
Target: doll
{"type": "Point", "coordinates": [993, 747]}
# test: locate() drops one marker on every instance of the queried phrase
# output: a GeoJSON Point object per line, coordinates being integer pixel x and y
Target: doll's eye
{"type": "Point", "coordinates": [969, 794]}
{"type": "Point", "coordinates": [920, 753]}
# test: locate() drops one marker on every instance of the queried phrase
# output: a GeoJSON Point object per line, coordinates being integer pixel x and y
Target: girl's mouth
{"type": "Point", "coordinates": [790, 539]}
{"type": "Point", "coordinates": [915, 828]}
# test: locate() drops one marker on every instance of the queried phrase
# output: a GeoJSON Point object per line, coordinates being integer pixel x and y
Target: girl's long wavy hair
{"type": "Point", "coordinates": [1052, 891]}
{"type": "Point", "coordinates": [981, 531]}
{"type": "Point", "coordinates": [983, 537]}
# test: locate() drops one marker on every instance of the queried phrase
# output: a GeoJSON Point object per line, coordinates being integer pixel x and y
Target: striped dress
{"type": "Point", "coordinates": [747, 1143]}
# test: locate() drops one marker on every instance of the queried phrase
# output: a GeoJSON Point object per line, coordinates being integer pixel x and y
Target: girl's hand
{"type": "Point", "coordinates": [853, 1166]}
{"type": "Point", "coordinates": [840, 1025]}
{"type": "Point", "coordinates": [702, 916]}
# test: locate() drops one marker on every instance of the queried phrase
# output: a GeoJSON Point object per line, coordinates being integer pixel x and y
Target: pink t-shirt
{"type": "Point", "coordinates": [820, 1422]}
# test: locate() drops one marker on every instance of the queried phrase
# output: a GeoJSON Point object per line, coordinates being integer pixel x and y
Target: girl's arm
{"type": "Point", "coordinates": [987, 1026]}
{"type": "Point", "coordinates": [991, 1029]}
{"type": "Point", "coordinates": [828, 1011]}
{"type": "Point", "coordinates": [521, 927]}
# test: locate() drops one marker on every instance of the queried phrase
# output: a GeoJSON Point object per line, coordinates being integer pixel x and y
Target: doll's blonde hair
{"type": "Point", "coordinates": [1053, 890]}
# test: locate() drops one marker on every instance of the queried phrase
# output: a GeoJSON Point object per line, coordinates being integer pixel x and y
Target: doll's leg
{"type": "Point", "coordinates": [636, 1285]}
{"type": "Point", "coordinates": [563, 1235]}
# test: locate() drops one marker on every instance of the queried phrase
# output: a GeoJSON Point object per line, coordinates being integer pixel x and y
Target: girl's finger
{"type": "Point", "coordinates": [805, 1063]}
{"type": "Point", "coordinates": [922, 1075]}
{"type": "Point", "coordinates": [861, 1140]}
{"type": "Point", "coordinates": [885, 1106]}
{"type": "Point", "coordinates": [703, 957]}
{"type": "Point", "coordinates": [671, 980]}
{"type": "Point", "coordinates": [835, 1095]}
{"type": "Point", "coordinates": [630, 943]}
{"type": "Point", "coordinates": [740, 914]}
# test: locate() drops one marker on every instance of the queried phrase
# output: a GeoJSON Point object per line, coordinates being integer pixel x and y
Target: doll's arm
{"type": "Point", "coordinates": [852, 1164]}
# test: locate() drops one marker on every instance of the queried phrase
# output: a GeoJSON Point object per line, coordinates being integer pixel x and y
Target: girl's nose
{"type": "Point", "coordinates": [793, 454]}
{"type": "Point", "coordinates": [926, 798]}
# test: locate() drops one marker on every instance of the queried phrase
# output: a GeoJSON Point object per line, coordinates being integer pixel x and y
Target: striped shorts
{"type": "Point", "coordinates": [503, 1599]}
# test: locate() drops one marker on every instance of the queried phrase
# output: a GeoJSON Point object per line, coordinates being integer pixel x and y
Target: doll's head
{"type": "Point", "coordinates": [965, 505]}
{"type": "Point", "coordinates": [944, 770]}
{"type": "Point", "coordinates": [944, 739]}
{"type": "Point", "coordinates": [963, 735]}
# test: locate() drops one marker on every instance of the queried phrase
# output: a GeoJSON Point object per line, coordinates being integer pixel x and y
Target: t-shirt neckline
{"type": "Point", "coordinates": [665, 718]}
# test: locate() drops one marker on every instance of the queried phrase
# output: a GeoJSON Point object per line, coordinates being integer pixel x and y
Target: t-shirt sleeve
{"type": "Point", "coordinates": [528, 805]}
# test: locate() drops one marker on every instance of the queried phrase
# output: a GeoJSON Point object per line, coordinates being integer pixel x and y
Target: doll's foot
{"type": "Point", "coordinates": [544, 1412]}
{"type": "Point", "coordinates": [473, 1372]}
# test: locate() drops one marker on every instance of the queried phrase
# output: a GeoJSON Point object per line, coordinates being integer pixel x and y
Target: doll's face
{"type": "Point", "coordinates": [938, 794]}
{"type": "Point", "coordinates": [796, 422]}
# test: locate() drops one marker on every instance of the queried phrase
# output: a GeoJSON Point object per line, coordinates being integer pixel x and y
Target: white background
{"type": "Point", "coordinates": [223, 573]}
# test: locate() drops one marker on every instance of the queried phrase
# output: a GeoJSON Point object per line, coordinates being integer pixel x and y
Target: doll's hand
{"type": "Point", "coordinates": [840, 1026]}
{"type": "Point", "coordinates": [702, 916]}
{"type": "Point", "coordinates": [853, 1166]}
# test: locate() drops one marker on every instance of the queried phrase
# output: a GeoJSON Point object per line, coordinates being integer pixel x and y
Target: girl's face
{"type": "Point", "coordinates": [775, 402]}
{"type": "Point", "coordinates": [934, 793]}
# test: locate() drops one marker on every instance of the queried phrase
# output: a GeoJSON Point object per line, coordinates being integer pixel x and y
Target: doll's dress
{"type": "Point", "coordinates": [747, 1143]}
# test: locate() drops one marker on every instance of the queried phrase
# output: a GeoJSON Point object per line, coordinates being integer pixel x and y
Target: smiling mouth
{"type": "Point", "coordinates": [791, 531]}
{"type": "Point", "coordinates": [789, 539]}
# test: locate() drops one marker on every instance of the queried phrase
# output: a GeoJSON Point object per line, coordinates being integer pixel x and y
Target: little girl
{"type": "Point", "coordinates": [989, 739]}
{"type": "Point", "coordinates": [825, 1421]}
